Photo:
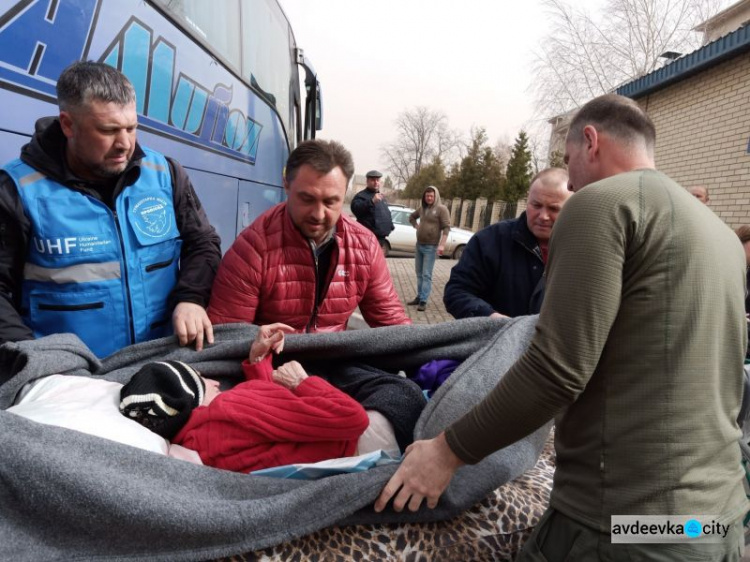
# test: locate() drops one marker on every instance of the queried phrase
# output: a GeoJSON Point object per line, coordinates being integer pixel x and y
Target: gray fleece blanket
{"type": "Point", "coordinates": [65, 495]}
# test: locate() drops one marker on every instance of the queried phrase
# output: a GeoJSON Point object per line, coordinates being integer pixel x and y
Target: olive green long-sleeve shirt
{"type": "Point", "coordinates": [638, 353]}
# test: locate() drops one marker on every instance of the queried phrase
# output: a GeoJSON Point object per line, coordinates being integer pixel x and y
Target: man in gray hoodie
{"type": "Point", "coordinates": [433, 223]}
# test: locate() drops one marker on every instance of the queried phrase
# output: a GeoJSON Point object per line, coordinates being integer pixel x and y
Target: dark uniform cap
{"type": "Point", "coordinates": [374, 174]}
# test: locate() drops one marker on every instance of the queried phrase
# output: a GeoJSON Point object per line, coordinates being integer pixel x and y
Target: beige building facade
{"type": "Point", "coordinates": [725, 22]}
{"type": "Point", "coordinates": [703, 131]}
{"type": "Point", "coordinates": [700, 105]}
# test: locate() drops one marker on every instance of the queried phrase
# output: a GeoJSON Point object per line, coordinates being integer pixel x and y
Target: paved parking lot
{"type": "Point", "coordinates": [405, 281]}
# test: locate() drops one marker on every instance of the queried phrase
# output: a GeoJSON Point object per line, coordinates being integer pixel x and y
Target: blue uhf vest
{"type": "Point", "coordinates": [101, 275]}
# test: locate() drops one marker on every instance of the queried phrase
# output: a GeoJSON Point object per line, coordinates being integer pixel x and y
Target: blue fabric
{"type": "Point", "coordinates": [313, 471]}
{"type": "Point", "coordinates": [103, 276]}
{"type": "Point", "coordinates": [434, 373]}
{"type": "Point", "coordinates": [424, 262]}
{"type": "Point", "coordinates": [501, 270]}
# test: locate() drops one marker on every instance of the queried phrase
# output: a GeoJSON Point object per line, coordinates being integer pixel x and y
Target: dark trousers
{"type": "Point", "coordinates": [382, 243]}
{"type": "Point", "coordinates": [399, 399]}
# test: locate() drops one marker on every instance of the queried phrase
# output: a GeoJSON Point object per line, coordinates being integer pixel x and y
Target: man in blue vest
{"type": "Point", "coordinates": [100, 236]}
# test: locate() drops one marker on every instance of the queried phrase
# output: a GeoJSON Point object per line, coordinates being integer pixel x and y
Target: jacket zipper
{"type": "Point", "coordinates": [125, 277]}
{"type": "Point", "coordinates": [311, 323]}
{"type": "Point", "coordinates": [333, 264]}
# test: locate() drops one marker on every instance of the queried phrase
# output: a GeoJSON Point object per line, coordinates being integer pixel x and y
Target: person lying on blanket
{"type": "Point", "coordinates": [275, 417]}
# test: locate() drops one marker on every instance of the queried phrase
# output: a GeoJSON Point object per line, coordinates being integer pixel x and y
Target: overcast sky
{"type": "Point", "coordinates": [471, 59]}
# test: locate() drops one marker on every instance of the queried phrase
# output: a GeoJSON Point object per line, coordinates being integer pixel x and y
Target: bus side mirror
{"type": "Point", "coordinates": [313, 98]}
{"type": "Point", "coordinates": [319, 108]}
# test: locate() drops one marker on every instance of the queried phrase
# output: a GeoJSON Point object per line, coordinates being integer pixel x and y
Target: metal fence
{"type": "Point", "coordinates": [485, 217]}
{"type": "Point", "coordinates": [471, 206]}
{"type": "Point", "coordinates": [509, 211]}
{"type": "Point", "coordinates": [506, 211]}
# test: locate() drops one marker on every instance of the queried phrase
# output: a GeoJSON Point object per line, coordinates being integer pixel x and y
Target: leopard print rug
{"type": "Point", "coordinates": [494, 529]}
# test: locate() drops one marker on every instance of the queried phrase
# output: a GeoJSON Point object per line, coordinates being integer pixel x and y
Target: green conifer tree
{"type": "Point", "coordinates": [518, 173]}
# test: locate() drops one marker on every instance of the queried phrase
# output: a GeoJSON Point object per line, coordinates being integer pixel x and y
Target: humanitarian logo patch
{"type": "Point", "coordinates": [152, 217]}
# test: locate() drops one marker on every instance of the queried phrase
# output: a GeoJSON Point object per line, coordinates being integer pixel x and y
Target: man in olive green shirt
{"type": "Point", "coordinates": [638, 355]}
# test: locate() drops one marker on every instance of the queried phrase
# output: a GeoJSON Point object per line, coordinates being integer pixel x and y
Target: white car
{"type": "Point", "coordinates": [404, 236]}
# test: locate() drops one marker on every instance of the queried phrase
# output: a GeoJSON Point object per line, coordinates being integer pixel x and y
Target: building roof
{"type": "Point", "coordinates": [726, 14]}
{"type": "Point", "coordinates": [726, 47]}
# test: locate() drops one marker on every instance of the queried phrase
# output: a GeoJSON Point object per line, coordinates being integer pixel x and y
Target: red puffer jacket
{"type": "Point", "coordinates": [268, 275]}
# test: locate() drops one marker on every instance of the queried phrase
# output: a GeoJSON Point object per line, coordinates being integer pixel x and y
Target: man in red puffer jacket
{"type": "Point", "coordinates": [302, 262]}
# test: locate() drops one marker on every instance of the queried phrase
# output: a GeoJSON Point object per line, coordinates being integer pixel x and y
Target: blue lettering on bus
{"type": "Point", "coordinates": [39, 38]}
{"type": "Point", "coordinates": [161, 86]}
{"type": "Point", "coordinates": [32, 41]}
{"type": "Point", "coordinates": [216, 114]}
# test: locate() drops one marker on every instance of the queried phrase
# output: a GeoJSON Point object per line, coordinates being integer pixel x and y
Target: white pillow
{"type": "Point", "coordinates": [87, 405]}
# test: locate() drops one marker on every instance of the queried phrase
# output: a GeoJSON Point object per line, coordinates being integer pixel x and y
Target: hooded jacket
{"type": "Point", "coordinates": [196, 243]}
{"type": "Point", "coordinates": [270, 275]}
{"type": "Point", "coordinates": [431, 221]}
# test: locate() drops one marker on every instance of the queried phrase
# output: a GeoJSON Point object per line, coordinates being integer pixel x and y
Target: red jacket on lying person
{"type": "Point", "coordinates": [260, 423]}
{"type": "Point", "coordinates": [270, 275]}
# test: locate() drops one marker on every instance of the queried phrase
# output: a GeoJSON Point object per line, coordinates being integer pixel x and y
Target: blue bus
{"type": "Point", "coordinates": [220, 86]}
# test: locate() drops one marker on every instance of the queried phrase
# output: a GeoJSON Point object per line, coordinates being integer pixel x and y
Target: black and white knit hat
{"type": "Point", "coordinates": [162, 395]}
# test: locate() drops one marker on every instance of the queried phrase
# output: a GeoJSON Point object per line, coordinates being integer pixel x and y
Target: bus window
{"type": "Point", "coordinates": [218, 28]}
{"type": "Point", "coordinates": [267, 54]}
{"type": "Point", "coordinates": [217, 82]}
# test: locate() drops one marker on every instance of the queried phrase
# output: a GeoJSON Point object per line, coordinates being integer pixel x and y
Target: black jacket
{"type": "Point", "coordinates": [201, 248]}
{"type": "Point", "coordinates": [501, 270]}
{"type": "Point", "coordinates": [376, 217]}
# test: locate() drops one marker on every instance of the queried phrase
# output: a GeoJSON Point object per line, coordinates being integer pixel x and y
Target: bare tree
{"type": "Point", "coordinates": [502, 150]}
{"type": "Point", "coordinates": [422, 136]}
{"type": "Point", "coordinates": [584, 56]}
{"type": "Point", "coordinates": [539, 147]}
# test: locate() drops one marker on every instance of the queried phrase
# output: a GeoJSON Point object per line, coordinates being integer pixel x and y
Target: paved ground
{"type": "Point", "coordinates": [405, 281]}
{"type": "Point", "coordinates": [401, 266]}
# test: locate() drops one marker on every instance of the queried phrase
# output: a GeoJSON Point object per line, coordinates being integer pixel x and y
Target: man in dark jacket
{"type": "Point", "coordinates": [371, 208]}
{"type": "Point", "coordinates": [501, 270]}
{"type": "Point", "coordinates": [99, 236]}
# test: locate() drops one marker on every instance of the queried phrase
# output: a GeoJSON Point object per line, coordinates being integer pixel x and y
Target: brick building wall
{"type": "Point", "coordinates": [703, 135]}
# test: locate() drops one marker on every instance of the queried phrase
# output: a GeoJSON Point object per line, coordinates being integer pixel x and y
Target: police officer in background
{"type": "Point", "coordinates": [100, 236]}
{"type": "Point", "coordinates": [371, 208]}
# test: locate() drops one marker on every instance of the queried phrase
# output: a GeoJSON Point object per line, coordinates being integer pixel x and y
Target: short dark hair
{"type": "Point", "coordinates": [617, 116]}
{"type": "Point", "coordinates": [321, 155]}
{"type": "Point", "coordinates": [743, 233]}
{"type": "Point", "coordinates": [84, 81]}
